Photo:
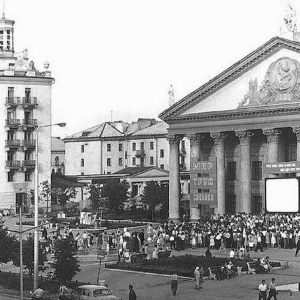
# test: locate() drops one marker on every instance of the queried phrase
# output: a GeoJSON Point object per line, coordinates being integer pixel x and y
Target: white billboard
{"type": "Point", "coordinates": [282, 195]}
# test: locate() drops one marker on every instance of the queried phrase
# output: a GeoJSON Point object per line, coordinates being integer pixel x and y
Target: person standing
{"type": "Point", "coordinates": [201, 275]}
{"type": "Point", "coordinates": [174, 283]}
{"type": "Point", "coordinates": [197, 278]}
{"type": "Point", "coordinates": [132, 295]}
{"type": "Point", "coordinates": [298, 247]}
{"type": "Point", "coordinates": [262, 290]}
{"type": "Point", "coordinates": [272, 290]}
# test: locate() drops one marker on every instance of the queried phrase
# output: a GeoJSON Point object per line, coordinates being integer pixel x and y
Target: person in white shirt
{"type": "Point", "coordinates": [231, 253]}
{"type": "Point", "coordinates": [262, 290]}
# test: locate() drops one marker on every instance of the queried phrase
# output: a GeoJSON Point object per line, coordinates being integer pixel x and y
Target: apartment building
{"type": "Point", "coordinates": [25, 95]}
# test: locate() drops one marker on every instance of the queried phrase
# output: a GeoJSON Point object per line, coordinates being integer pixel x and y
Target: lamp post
{"type": "Point", "coordinates": [36, 206]}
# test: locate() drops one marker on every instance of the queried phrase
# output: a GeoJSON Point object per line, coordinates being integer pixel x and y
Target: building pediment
{"type": "Point", "coordinates": [155, 172]}
{"type": "Point", "coordinates": [267, 78]}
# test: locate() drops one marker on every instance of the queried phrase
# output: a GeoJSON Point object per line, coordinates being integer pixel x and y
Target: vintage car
{"type": "Point", "coordinates": [94, 292]}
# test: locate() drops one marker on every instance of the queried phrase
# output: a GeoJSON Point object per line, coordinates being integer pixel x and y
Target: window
{"type": "Point", "coordinates": [142, 145]}
{"type": "Point", "coordinates": [108, 162]}
{"type": "Point", "coordinates": [108, 147]}
{"type": "Point", "coordinates": [231, 170]}
{"type": "Point", "coordinates": [292, 152]}
{"type": "Point", "coordinates": [120, 147]}
{"type": "Point", "coordinates": [133, 146]}
{"type": "Point", "coordinates": [151, 145]}
{"type": "Point", "coordinates": [257, 204]}
{"type": "Point", "coordinates": [10, 177]}
{"type": "Point", "coordinates": [27, 176]}
{"type": "Point", "coordinates": [56, 160]}
{"type": "Point", "coordinates": [162, 166]}
{"type": "Point", "coordinates": [133, 161]}
{"type": "Point", "coordinates": [82, 148]}
{"type": "Point", "coordinates": [256, 170]}
{"type": "Point", "coordinates": [82, 162]}
{"type": "Point", "coordinates": [162, 153]}
{"type": "Point", "coordinates": [120, 161]}
{"type": "Point", "coordinates": [151, 160]}
{"type": "Point", "coordinates": [27, 94]}
{"type": "Point", "coordinates": [11, 92]}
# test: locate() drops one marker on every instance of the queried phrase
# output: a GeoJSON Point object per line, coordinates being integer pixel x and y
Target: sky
{"type": "Point", "coordinates": [115, 59]}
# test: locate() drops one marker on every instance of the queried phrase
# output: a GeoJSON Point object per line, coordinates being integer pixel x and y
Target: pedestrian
{"type": "Point", "coordinates": [132, 295]}
{"type": "Point", "coordinates": [174, 283]}
{"type": "Point", "coordinates": [37, 294]}
{"type": "Point", "coordinates": [298, 247]}
{"type": "Point", "coordinates": [262, 290]}
{"type": "Point", "coordinates": [64, 293]}
{"type": "Point", "coordinates": [197, 278]}
{"type": "Point", "coordinates": [272, 290]}
{"type": "Point", "coordinates": [201, 275]}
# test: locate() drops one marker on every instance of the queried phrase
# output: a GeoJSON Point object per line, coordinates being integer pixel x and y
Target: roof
{"type": "Point", "coordinates": [231, 73]}
{"type": "Point", "coordinates": [57, 144]}
{"type": "Point", "coordinates": [160, 127]}
{"type": "Point", "coordinates": [133, 170]}
{"type": "Point", "coordinates": [65, 182]}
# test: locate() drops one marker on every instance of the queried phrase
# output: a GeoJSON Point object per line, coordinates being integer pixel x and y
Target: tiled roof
{"type": "Point", "coordinates": [158, 128]}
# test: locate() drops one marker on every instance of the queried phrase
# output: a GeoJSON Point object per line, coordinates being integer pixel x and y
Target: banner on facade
{"type": "Point", "coordinates": [281, 167]}
{"type": "Point", "coordinates": [203, 182]}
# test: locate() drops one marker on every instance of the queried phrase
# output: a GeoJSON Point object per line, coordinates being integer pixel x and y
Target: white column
{"type": "Point", "coordinates": [245, 171]}
{"type": "Point", "coordinates": [296, 130]}
{"type": "Point", "coordinates": [272, 139]}
{"type": "Point", "coordinates": [174, 178]}
{"type": "Point", "coordinates": [219, 139]}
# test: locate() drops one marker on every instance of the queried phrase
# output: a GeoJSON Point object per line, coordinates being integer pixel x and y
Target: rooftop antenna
{"type": "Point", "coordinates": [3, 14]}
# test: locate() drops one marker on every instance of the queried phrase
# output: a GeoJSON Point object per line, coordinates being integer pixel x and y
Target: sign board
{"type": "Point", "coordinates": [203, 182]}
{"type": "Point", "coordinates": [281, 167]}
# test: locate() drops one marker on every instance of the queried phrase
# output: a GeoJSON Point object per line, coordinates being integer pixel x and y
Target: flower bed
{"type": "Point", "coordinates": [182, 265]}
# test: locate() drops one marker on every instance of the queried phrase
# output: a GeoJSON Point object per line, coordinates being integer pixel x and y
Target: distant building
{"type": "Point", "coordinates": [113, 146]}
{"type": "Point", "coordinates": [25, 95]}
{"type": "Point", "coordinates": [57, 156]}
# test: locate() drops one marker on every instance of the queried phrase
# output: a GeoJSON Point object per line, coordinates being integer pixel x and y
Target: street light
{"type": "Point", "coordinates": [36, 206]}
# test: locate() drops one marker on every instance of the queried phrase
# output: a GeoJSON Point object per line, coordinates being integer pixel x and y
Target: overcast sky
{"type": "Point", "coordinates": [122, 55]}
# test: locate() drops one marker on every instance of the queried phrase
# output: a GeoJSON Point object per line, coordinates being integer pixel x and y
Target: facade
{"type": "Point", "coordinates": [240, 120]}
{"type": "Point", "coordinates": [25, 95]}
{"type": "Point", "coordinates": [57, 156]}
{"type": "Point", "coordinates": [113, 146]}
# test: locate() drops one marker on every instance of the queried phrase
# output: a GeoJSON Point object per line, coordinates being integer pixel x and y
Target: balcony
{"type": "Point", "coordinates": [13, 164]}
{"type": "Point", "coordinates": [12, 102]}
{"type": "Point", "coordinates": [29, 144]}
{"type": "Point", "coordinates": [12, 144]}
{"type": "Point", "coordinates": [29, 122]}
{"type": "Point", "coordinates": [28, 164]}
{"type": "Point", "coordinates": [13, 123]}
{"type": "Point", "coordinates": [30, 102]}
{"type": "Point", "coordinates": [140, 153]}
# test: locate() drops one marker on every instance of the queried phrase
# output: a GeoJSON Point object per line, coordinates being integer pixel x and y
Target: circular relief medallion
{"type": "Point", "coordinates": [283, 75]}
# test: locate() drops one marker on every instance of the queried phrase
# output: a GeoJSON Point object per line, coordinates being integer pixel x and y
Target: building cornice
{"type": "Point", "coordinates": [26, 80]}
{"type": "Point", "coordinates": [233, 72]}
{"type": "Point", "coordinates": [117, 138]}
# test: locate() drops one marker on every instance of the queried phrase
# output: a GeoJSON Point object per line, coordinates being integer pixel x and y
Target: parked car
{"type": "Point", "coordinates": [93, 292]}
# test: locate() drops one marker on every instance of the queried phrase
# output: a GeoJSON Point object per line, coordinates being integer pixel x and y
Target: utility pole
{"type": "Point", "coordinates": [21, 248]}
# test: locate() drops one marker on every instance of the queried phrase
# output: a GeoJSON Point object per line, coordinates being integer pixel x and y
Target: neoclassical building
{"type": "Point", "coordinates": [245, 117]}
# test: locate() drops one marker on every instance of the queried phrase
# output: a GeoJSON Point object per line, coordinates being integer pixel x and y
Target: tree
{"type": "Point", "coordinates": [46, 192]}
{"type": "Point", "coordinates": [151, 196]}
{"type": "Point", "coordinates": [66, 264]}
{"type": "Point", "coordinates": [116, 193]}
{"type": "Point", "coordinates": [28, 256]}
{"type": "Point", "coordinates": [94, 194]}
{"type": "Point", "coordinates": [8, 247]}
{"type": "Point", "coordinates": [63, 195]}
